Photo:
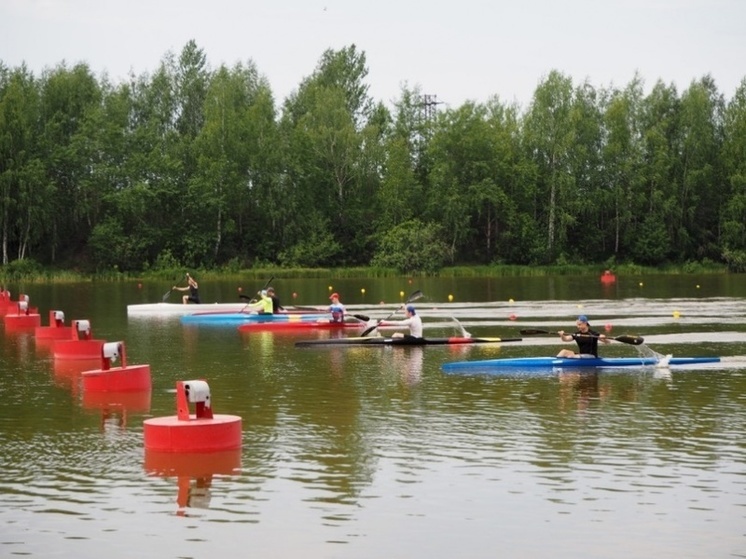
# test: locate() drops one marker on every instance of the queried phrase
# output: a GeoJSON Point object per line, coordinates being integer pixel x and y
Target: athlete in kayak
{"type": "Point", "coordinates": [336, 309]}
{"type": "Point", "coordinates": [193, 288]}
{"type": "Point", "coordinates": [263, 306]}
{"type": "Point", "coordinates": [413, 322]}
{"type": "Point", "coordinates": [276, 306]}
{"type": "Point", "coordinates": [586, 339]}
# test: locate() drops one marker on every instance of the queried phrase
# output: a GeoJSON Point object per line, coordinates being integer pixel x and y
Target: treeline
{"type": "Point", "coordinates": [200, 167]}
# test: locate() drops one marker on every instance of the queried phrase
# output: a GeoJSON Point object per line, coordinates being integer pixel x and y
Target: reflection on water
{"type": "Point", "coordinates": [373, 451]}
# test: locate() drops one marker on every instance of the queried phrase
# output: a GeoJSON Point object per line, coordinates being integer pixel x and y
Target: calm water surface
{"type": "Point", "coordinates": [376, 452]}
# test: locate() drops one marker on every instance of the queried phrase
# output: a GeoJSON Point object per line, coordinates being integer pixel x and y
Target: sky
{"type": "Point", "coordinates": [458, 51]}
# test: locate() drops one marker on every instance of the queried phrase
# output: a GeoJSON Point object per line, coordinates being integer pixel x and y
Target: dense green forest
{"type": "Point", "coordinates": [202, 167]}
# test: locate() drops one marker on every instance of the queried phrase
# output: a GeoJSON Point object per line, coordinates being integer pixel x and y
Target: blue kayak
{"type": "Point", "coordinates": [511, 364]}
{"type": "Point", "coordinates": [235, 318]}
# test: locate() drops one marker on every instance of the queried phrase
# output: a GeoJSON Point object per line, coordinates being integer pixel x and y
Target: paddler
{"type": "Point", "coordinates": [264, 305]}
{"type": "Point", "coordinates": [413, 322]}
{"type": "Point", "coordinates": [586, 338]}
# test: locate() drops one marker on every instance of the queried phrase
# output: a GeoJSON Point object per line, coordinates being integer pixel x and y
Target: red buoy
{"type": "Point", "coordinates": [198, 432]}
{"type": "Point", "coordinates": [56, 329]}
{"type": "Point", "coordinates": [81, 345]}
{"type": "Point", "coordinates": [23, 317]}
{"type": "Point", "coordinates": [6, 302]}
{"type": "Point", "coordinates": [125, 378]}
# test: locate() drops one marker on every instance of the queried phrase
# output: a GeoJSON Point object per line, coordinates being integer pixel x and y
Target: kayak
{"type": "Point", "coordinates": [295, 325]}
{"type": "Point", "coordinates": [511, 364]}
{"type": "Point", "coordinates": [405, 341]}
{"type": "Point", "coordinates": [234, 318]}
{"type": "Point", "coordinates": [179, 309]}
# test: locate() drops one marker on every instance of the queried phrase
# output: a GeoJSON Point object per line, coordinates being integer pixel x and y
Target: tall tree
{"type": "Point", "coordinates": [733, 216]}
{"type": "Point", "coordinates": [550, 137]}
{"type": "Point", "coordinates": [701, 186]}
{"type": "Point", "coordinates": [622, 158]}
{"type": "Point", "coordinates": [68, 96]}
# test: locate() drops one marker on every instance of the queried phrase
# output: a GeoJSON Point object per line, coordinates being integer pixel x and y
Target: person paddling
{"type": "Point", "coordinates": [264, 305]}
{"type": "Point", "coordinates": [193, 288]}
{"type": "Point", "coordinates": [276, 305]}
{"type": "Point", "coordinates": [336, 309]}
{"type": "Point", "coordinates": [586, 338]}
{"type": "Point", "coordinates": [413, 322]}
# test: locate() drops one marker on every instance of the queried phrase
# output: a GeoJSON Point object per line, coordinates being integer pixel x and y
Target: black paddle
{"type": "Point", "coordinates": [168, 293]}
{"type": "Point", "coordinates": [413, 297]}
{"type": "Point", "coordinates": [632, 340]}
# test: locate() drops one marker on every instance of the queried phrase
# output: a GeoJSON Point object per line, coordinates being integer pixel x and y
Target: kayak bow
{"type": "Point", "coordinates": [511, 364]}
{"type": "Point", "coordinates": [405, 341]}
{"type": "Point", "coordinates": [295, 325]}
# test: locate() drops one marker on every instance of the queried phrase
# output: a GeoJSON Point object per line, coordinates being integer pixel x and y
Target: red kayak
{"type": "Point", "coordinates": [298, 325]}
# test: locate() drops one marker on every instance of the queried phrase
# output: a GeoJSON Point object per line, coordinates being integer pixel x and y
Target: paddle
{"type": "Point", "coordinates": [168, 293]}
{"type": "Point", "coordinates": [632, 340]}
{"type": "Point", "coordinates": [413, 297]}
{"type": "Point", "coordinates": [253, 299]}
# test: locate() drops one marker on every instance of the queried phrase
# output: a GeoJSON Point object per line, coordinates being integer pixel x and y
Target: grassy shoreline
{"type": "Point", "coordinates": [10, 274]}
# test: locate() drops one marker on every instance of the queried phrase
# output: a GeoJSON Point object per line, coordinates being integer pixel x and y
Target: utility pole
{"type": "Point", "coordinates": [429, 104]}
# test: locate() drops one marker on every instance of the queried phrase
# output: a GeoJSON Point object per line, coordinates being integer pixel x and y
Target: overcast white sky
{"type": "Point", "coordinates": [457, 50]}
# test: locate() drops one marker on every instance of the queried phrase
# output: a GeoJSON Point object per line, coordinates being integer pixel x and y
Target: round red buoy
{"type": "Point", "coordinates": [80, 346]}
{"type": "Point", "coordinates": [77, 349]}
{"type": "Point", "coordinates": [22, 317]}
{"type": "Point", "coordinates": [132, 378]}
{"type": "Point", "coordinates": [171, 434]}
{"type": "Point", "coordinates": [22, 321]}
{"type": "Point", "coordinates": [56, 329]}
{"type": "Point", "coordinates": [198, 432]}
{"type": "Point", "coordinates": [125, 378]}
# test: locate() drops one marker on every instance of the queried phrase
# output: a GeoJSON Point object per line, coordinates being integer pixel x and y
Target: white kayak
{"type": "Point", "coordinates": [179, 309]}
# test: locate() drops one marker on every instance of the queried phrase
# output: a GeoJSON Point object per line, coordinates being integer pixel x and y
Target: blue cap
{"type": "Point", "coordinates": [583, 318]}
{"type": "Point", "coordinates": [410, 309]}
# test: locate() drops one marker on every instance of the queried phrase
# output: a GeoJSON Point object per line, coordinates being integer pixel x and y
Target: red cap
{"type": "Point", "coordinates": [333, 295]}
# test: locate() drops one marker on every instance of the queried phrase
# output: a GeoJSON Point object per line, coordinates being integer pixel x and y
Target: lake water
{"type": "Point", "coordinates": [377, 452]}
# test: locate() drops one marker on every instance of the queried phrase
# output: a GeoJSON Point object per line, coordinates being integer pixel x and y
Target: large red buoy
{"type": "Point", "coordinates": [81, 345]}
{"type": "Point", "coordinates": [56, 329]}
{"type": "Point", "coordinates": [23, 317]}
{"type": "Point", "coordinates": [5, 301]}
{"type": "Point", "coordinates": [125, 378]}
{"type": "Point", "coordinates": [198, 432]}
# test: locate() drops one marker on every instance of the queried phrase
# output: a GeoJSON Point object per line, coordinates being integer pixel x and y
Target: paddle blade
{"type": "Point", "coordinates": [369, 329]}
{"type": "Point", "coordinates": [414, 296]}
{"type": "Point", "coordinates": [632, 340]}
{"type": "Point", "coordinates": [534, 332]}
{"type": "Point", "coordinates": [166, 295]}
